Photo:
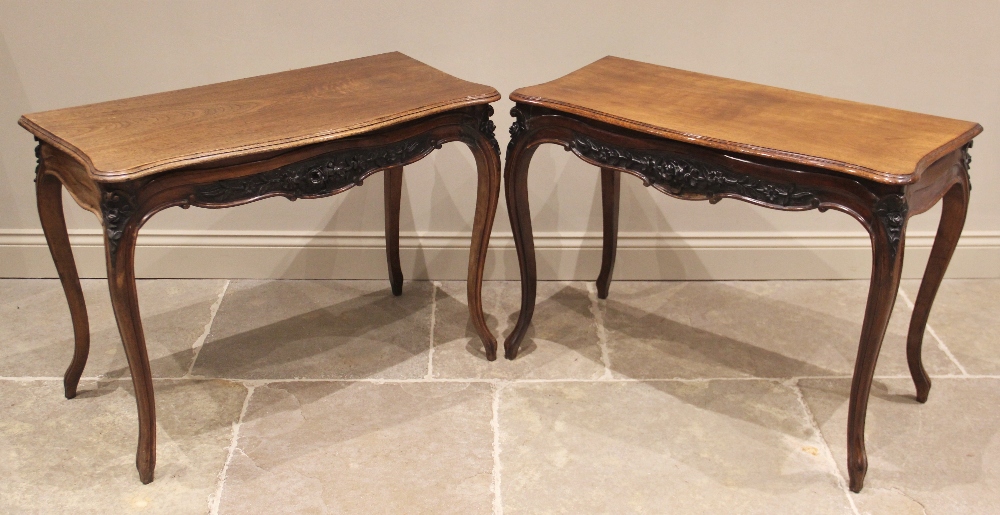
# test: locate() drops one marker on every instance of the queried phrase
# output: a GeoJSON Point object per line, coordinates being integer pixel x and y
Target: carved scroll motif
{"type": "Point", "coordinates": [315, 177]}
{"type": "Point", "coordinates": [517, 129]}
{"type": "Point", "coordinates": [487, 127]}
{"type": "Point", "coordinates": [891, 212]}
{"type": "Point", "coordinates": [966, 158]}
{"type": "Point", "coordinates": [38, 158]}
{"type": "Point", "coordinates": [967, 162]}
{"type": "Point", "coordinates": [685, 176]}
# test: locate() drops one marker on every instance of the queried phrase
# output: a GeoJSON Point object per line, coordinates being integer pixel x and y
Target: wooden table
{"type": "Point", "coordinates": [698, 137]}
{"type": "Point", "coordinates": [306, 133]}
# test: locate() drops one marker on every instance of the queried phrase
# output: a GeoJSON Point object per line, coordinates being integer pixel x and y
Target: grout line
{"type": "Point", "coordinates": [43, 378]}
{"type": "Point", "coordinates": [906, 298]}
{"type": "Point", "coordinates": [497, 387]}
{"type": "Point", "coordinates": [430, 349]}
{"type": "Point", "coordinates": [565, 380]}
{"type": "Point", "coordinates": [503, 318]}
{"type": "Point", "coordinates": [200, 342]}
{"type": "Point", "coordinates": [602, 333]}
{"type": "Point", "coordinates": [940, 343]}
{"type": "Point", "coordinates": [216, 498]}
{"type": "Point", "coordinates": [258, 382]}
{"type": "Point", "coordinates": [497, 465]}
{"type": "Point", "coordinates": [944, 348]}
{"type": "Point", "coordinates": [824, 446]}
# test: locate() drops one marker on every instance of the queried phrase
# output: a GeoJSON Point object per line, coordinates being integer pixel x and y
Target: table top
{"type": "Point", "coordinates": [135, 137]}
{"type": "Point", "coordinates": [878, 143]}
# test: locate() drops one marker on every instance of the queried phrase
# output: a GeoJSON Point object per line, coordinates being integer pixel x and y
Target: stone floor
{"type": "Point", "coordinates": [336, 397]}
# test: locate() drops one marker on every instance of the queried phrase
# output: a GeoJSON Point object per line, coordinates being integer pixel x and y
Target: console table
{"type": "Point", "coordinates": [305, 133]}
{"type": "Point", "coordinates": [699, 137]}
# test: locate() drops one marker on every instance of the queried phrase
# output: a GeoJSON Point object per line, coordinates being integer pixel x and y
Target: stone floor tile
{"type": "Point", "coordinates": [662, 447]}
{"type": "Point", "coordinates": [78, 456]}
{"type": "Point", "coordinates": [341, 447]}
{"type": "Point", "coordinates": [36, 333]}
{"type": "Point", "coordinates": [749, 328]}
{"type": "Point", "coordinates": [938, 457]}
{"type": "Point", "coordinates": [561, 342]}
{"type": "Point", "coordinates": [319, 330]}
{"type": "Point", "coordinates": [964, 316]}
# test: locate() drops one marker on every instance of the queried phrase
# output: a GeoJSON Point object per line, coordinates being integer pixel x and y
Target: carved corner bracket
{"type": "Point", "coordinates": [891, 211]}
{"type": "Point", "coordinates": [315, 177]}
{"type": "Point", "coordinates": [685, 176]}
{"type": "Point", "coordinates": [966, 158]}
{"type": "Point", "coordinates": [487, 128]}
{"type": "Point", "coordinates": [517, 129]}
{"type": "Point", "coordinates": [38, 159]}
{"type": "Point", "coordinates": [967, 162]}
{"type": "Point", "coordinates": [117, 207]}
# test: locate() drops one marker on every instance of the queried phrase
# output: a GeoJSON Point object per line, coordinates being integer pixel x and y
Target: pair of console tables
{"type": "Point", "coordinates": [318, 131]}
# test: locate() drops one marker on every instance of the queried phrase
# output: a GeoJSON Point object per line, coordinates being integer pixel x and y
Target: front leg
{"type": "Point", "coordinates": [121, 227]}
{"type": "Point", "coordinates": [519, 154]}
{"type": "Point", "coordinates": [487, 154]}
{"type": "Point", "coordinates": [887, 225]}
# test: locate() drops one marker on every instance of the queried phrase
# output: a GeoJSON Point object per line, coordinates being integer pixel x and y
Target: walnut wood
{"type": "Point", "coordinates": [887, 265]}
{"type": "Point", "coordinates": [393, 196]}
{"type": "Point", "coordinates": [50, 212]}
{"type": "Point", "coordinates": [486, 152]}
{"type": "Point", "coordinates": [519, 153]}
{"type": "Point", "coordinates": [610, 193]}
{"type": "Point", "coordinates": [695, 171]}
{"type": "Point", "coordinates": [125, 301]}
{"type": "Point", "coordinates": [876, 143]}
{"type": "Point", "coordinates": [954, 208]}
{"type": "Point", "coordinates": [319, 167]}
{"type": "Point", "coordinates": [137, 137]}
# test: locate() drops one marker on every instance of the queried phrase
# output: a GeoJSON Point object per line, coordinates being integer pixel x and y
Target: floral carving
{"type": "Point", "coordinates": [117, 206]}
{"type": "Point", "coordinates": [685, 176]}
{"type": "Point", "coordinates": [319, 176]}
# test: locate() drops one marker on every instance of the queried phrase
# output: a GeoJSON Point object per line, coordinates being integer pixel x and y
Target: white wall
{"type": "Point", "coordinates": [936, 57]}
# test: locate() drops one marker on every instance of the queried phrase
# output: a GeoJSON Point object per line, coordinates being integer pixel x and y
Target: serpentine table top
{"type": "Point", "coordinates": [878, 143]}
{"type": "Point", "coordinates": [135, 137]}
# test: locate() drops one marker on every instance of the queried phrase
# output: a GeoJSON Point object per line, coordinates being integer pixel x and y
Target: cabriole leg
{"type": "Point", "coordinates": [125, 301]}
{"type": "Point", "coordinates": [487, 197]}
{"type": "Point", "coordinates": [610, 193]}
{"type": "Point", "coordinates": [955, 205]}
{"type": "Point", "coordinates": [393, 193]}
{"type": "Point", "coordinates": [50, 212]}
{"type": "Point", "coordinates": [887, 261]}
{"type": "Point", "coordinates": [516, 187]}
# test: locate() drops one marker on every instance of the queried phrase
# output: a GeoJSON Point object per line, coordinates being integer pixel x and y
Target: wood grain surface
{"type": "Point", "coordinates": [882, 144]}
{"type": "Point", "coordinates": [134, 137]}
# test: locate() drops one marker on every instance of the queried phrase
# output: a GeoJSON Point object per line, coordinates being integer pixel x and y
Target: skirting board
{"type": "Point", "coordinates": [440, 256]}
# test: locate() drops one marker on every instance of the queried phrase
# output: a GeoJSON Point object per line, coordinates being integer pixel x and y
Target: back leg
{"type": "Point", "coordinates": [393, 195]}
{"type": "Point", "coordinates": [610, 193]}
{"type": "Point", "coordinates": [48, 190]}
{"type": "Point", "coordinates": [955, 205]}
